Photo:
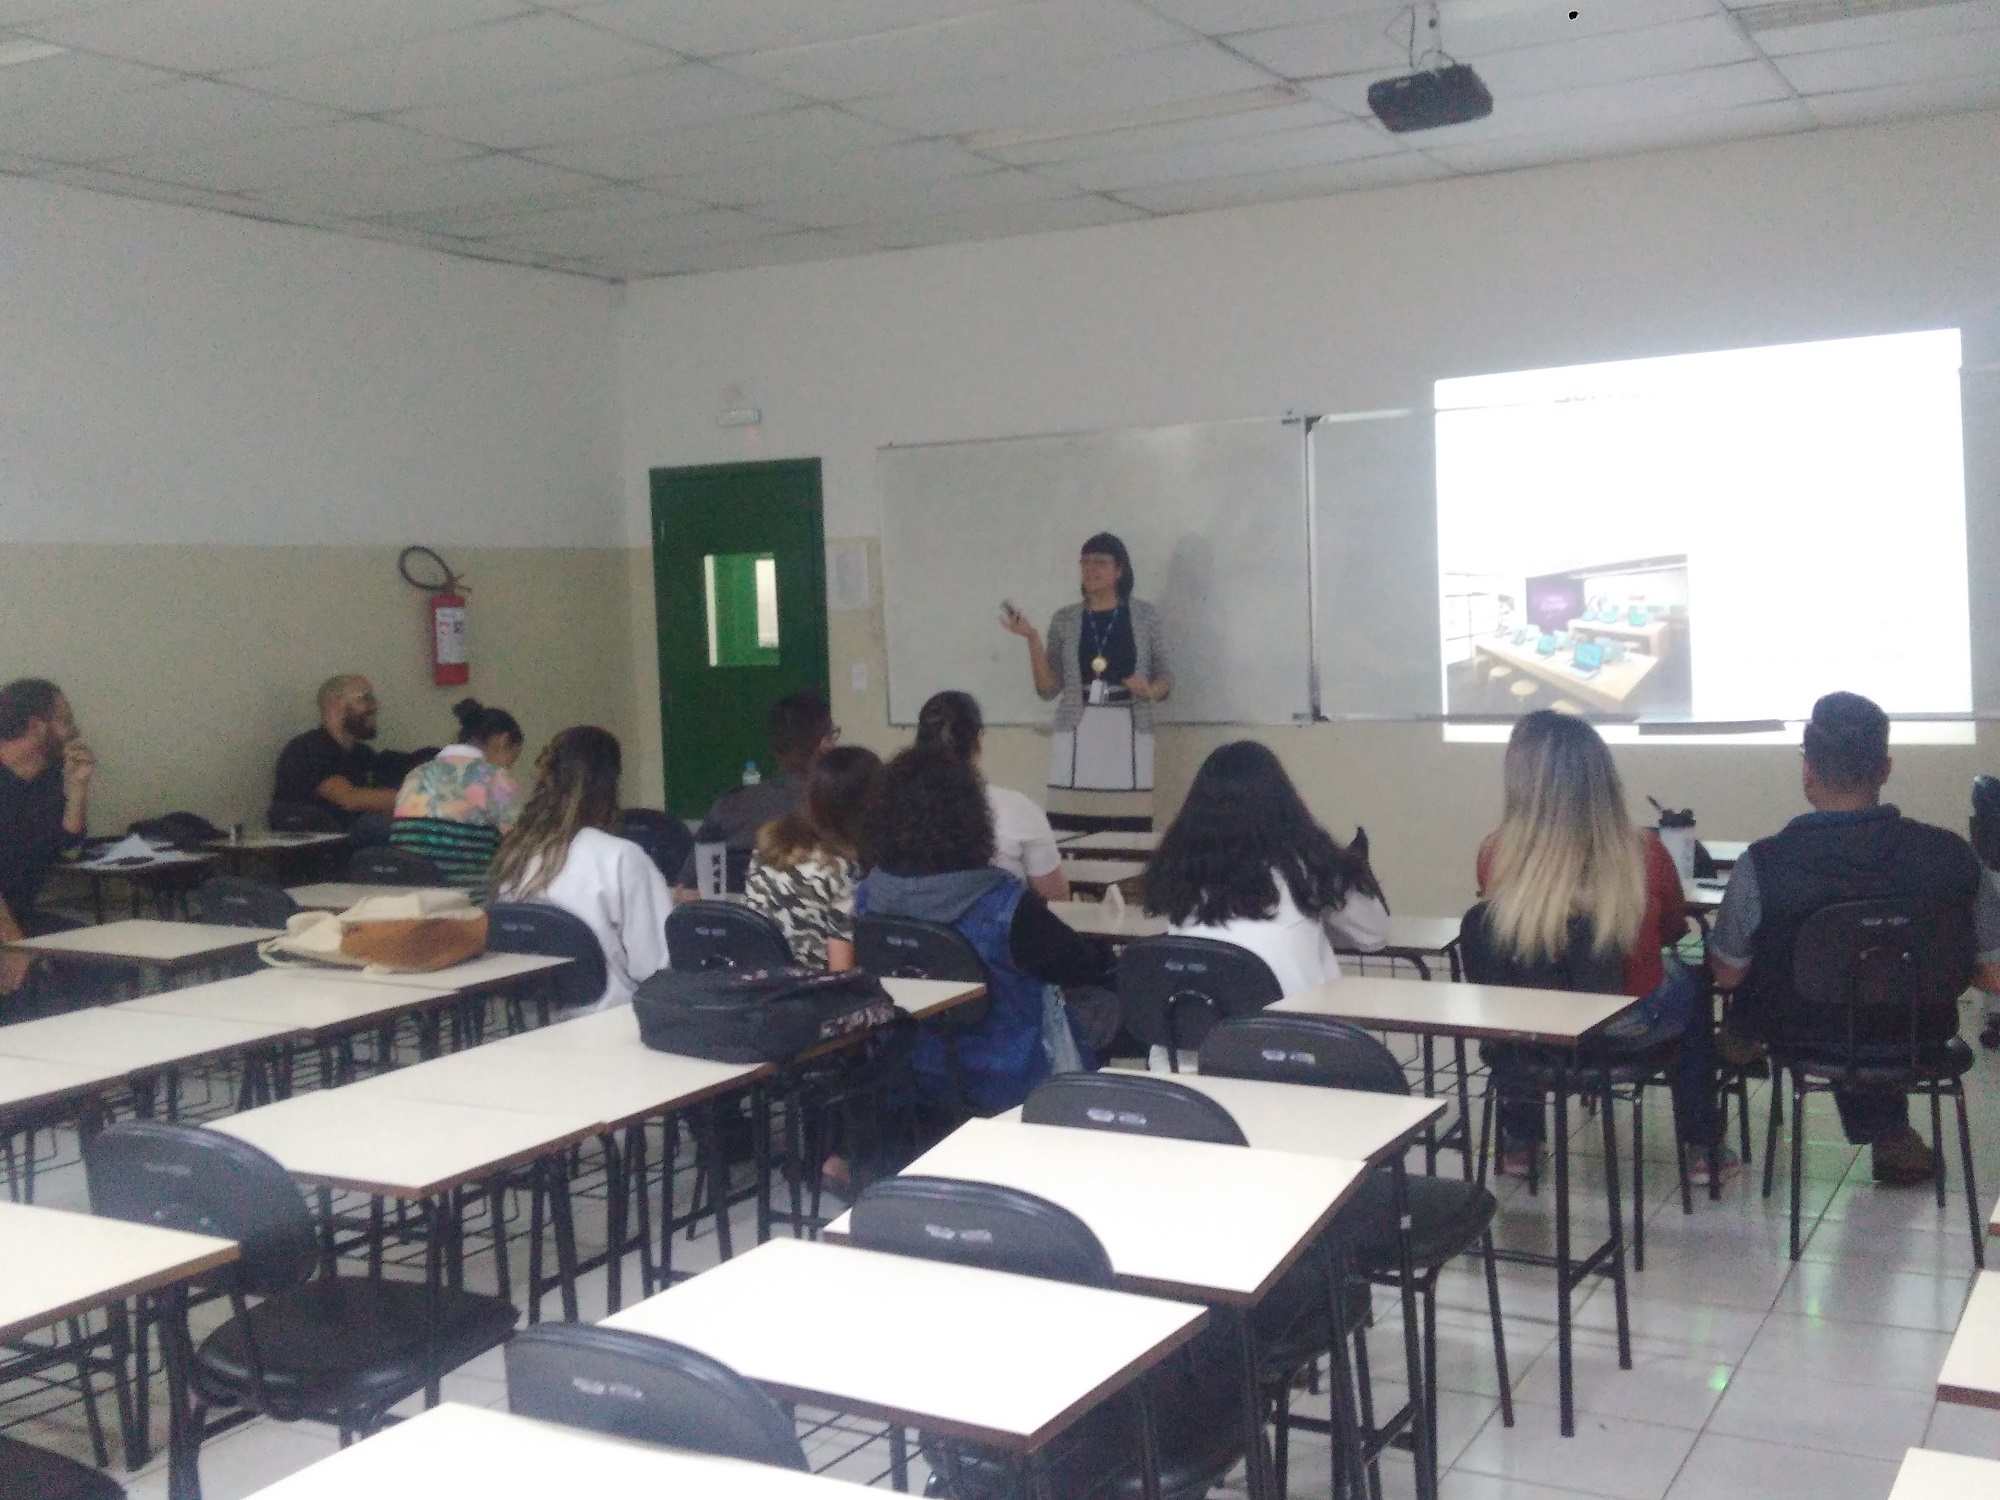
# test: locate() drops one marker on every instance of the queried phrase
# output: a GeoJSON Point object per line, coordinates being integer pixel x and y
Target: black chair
{"type": "Point", "coordinates": [337, 1349]}
{"type": "Point", "coordinates": [1194, 1401]}
{"type": "Point", "coordinates": [910, 948]}
{"type": "Point", "coordinates": [1173, 989]}
{"type": "Point", "coordinates": [1448, 1218]}
{"type": "Point", "coordinates": [302, 817]}
{"type": "Point", "coordinates": [1292, 1324]}
{"type": "Point", "coordinates": [233, 901]}
{"type": "Point", "coordinates": [384, 864]}
{"type": "Point", "coordinates": [531, 927]}
{"type": "Point", "coordinates": [647, 1390]}
{"type": "Point", "coordinates": [1881, 981]}
{"type": "Point", "coordinates": [665, 838]}
{"type": "Point", "coordinates": [724, 935]}
{"type": "Point", "coordinates": [29, 1473]}
{"type": "Point", "coordinates": [1984, 829]}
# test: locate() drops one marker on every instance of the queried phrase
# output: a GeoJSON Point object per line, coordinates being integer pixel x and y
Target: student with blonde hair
{"type": "Point", "coordinates": [1578, 898]}
{"type": "Point", "coordinates": [562, 852]}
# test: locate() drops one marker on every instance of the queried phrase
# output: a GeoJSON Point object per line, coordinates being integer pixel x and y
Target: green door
{"type": "Point", "coordinates": [739, 575]}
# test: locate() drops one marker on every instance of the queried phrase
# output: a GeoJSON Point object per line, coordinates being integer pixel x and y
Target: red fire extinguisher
{"type": "Point", "coordinates": [449, 665]}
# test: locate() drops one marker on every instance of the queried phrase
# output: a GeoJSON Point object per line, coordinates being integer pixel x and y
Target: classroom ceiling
{"type": "Point", "coordinates": [632, 138]}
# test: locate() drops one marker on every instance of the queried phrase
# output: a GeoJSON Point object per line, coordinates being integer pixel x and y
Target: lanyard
{"type": "Point", "coordinates": [1100, 641]}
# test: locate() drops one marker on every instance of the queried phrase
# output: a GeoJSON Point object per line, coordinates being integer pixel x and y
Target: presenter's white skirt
{"type": "Point", "coordinates": [1102, 754]}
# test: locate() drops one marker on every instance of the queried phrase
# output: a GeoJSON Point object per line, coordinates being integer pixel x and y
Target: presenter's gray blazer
{"type": "Point", "coordinates": [1065, 635]}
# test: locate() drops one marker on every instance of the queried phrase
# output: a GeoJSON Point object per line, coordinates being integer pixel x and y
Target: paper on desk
{"type": "Point", "coordinates": [134, 847]}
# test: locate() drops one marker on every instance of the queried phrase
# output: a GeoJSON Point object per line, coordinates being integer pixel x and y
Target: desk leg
{"type": "Point", "coordinates": [1429, 1044]}
{"type": "Point", "coordinates": [616, 1205]}
{"type": "Point", "coordinates": [1617, 1245]}
{"type": "Point", "coordinates": [760, 1136]}
{"type": "Point", "coordinates": [1422, 1429]}
{"type": "Point", "coordinates": [1346, 1443]}
{"type": "Point", "coordinates": [1465, 1152]}
{"type": "Point", "coordinates": [1149, 1443]}
{"type": "Point", "coordinates": [559, 1210]}
{"type": "Point", "coordinates": [435, 1211]}
{"type": "Point", "coordinates": [1565, 1352]}
{"type": "Point", "coordinates": [1256, 1478]}
{"type": "Point", "coordinates": [183, 1423]}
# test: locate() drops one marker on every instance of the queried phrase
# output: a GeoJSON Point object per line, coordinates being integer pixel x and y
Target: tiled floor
{"type": "Point", "coordinates": [1751, 1376]}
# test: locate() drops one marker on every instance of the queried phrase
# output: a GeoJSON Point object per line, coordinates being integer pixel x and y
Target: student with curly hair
{"type": "Point", "coordinates": [931, 840]}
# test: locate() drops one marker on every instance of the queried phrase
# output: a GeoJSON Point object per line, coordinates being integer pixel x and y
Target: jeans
{"type": "Point", "coordinates": [1675, 1008]}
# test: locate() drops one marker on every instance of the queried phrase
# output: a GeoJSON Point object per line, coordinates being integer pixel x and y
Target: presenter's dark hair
{"type": "Point", "coordinates": [1847, 742]}
{"type": "Point", "coordinates": [951, 720]}
{"type": "Point", "coordinates": [1244, 820]}
{"type": "Point", "coordinates": [23, 700]}
{"type": "Point", "coordinates": [478, 724]}
{"type": "Point", "coordinates": [796, 724]}
{"type": "Point", "coordinates": [1104, 544]}
{"type": "Point", "coordinates": [930, 815]}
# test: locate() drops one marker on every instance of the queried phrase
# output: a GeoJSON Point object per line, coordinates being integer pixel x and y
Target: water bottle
{"type": "Point", "coordinates": [751, 775]}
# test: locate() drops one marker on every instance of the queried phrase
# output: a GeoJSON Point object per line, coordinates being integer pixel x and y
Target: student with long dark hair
{"type": "Point", "coordinates": [1023, 842]}
{"type": "Point", "coordinates": [562, 852]}
{"type": "Point", "coordinates": [930, 841]}
{"type": "Point", "coordinates": [808, 862]}
{"type": "Point", "coordinates": [1246, 862]}
{"type": "Point", "coordinates": [454, 808]}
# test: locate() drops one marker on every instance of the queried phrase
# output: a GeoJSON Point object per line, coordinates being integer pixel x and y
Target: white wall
{"type": "Point", "coordinates": [1348, 303]}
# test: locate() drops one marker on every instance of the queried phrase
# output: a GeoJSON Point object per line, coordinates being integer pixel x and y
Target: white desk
{"type": "Point", "coordinates": [30, 1083]}
{"type": "Point", "coordinates": [55, 1264]}
{"type": "Point", "coordinates": [1344, 1124]}
{"type": "Point", "coordinates": [338, 895]}
{"type": "Point", "coordinates": [317, 1002]}
{"type": "Point", "coordinates": [1093, 919]}
{"type": "Point", "coordinates": [1098, 873]}
{"type": "Point", "coordinates": [145, 943]}
{"type": "Point", "coordinates": [469, 1450]}
{"type": "Point", "coordinates": [1416, 940]}
{"type": "Point", "coordinates": [489, 971]}
{"type": "Point", "coordinates": [1487, 1012]}
{"type": "Point", "coordinates": [1177, 1218]}
{"type": "Point", "coordinates": [859, 1331]}
{"type": "Point", "coordinates": [924, 998]}
{"type": "Point", "coordinates": [1110, 843]}
{"type": "Point", "coordinates": [1971, 1373]}
{"type": "Point", "coordinates": [126, 1044]}
{"type": "Point", "coordinates": [1704, 896]}
{"type": "Point", "coordinates": [1945, 1476]}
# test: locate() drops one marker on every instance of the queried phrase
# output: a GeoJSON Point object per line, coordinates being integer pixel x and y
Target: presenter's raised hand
{"type": "Point", "coordinates": [1016, 623]}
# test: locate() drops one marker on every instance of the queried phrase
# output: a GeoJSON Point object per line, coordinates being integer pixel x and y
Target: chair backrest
{"type": "Point", "coordinates": [232, 901]}
{"type": "Point", "coordinates": [645, 1389]}
{"type": "Point", "coordinates": [302, 817]}
{"type": "Point", "coordinates": [979, 1224]}
{"type": "Point", "coordinates": [911, 948]}
{"type": "Point", "coordinates": [531, 927]}
{"type": "Point", "coordinates": [1132, 1104]}
{"type": "Point", "coordinates": [1315, 1050]}
{"type": "Point", "coordinates": [1173, 989]}
{"type": "Point", "coordinates": [1579, 967]}
{"type": "Point", "coordinates": [1881, 961]}
{"type": "Point", "coordinates": [185, 1177]}
{"type": "Point", "coordinates": [384, 864]}
{"type": "Point", "coordinates": [665, 838]}
{"type": "Point", "coordinates": [724, 935]}
{"type": "Point", "coordinates": [1985, 828]}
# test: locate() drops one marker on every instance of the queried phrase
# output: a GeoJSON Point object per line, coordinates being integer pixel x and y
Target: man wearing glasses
{"type": "Point", "coordinates": [334, 772]}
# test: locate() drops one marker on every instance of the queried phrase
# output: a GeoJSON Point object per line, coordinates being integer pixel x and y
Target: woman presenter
{"type": "Point", "coordinates": [1105, 664]}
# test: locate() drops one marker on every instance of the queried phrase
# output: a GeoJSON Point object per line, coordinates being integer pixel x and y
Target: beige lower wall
{"type": "Point", "coordinates": [190, 666]}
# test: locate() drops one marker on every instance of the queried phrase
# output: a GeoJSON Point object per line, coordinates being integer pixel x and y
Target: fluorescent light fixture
{"type": "Point", "coordinates": [1213, 107]}
{"type": "Point", "coordinates": [1788, 13]}
{"type": "Point", "coordinates": [27, 52]}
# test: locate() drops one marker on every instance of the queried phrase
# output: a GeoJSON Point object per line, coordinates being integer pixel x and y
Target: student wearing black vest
{"type": "Point", "coordinates": [1851, 847]}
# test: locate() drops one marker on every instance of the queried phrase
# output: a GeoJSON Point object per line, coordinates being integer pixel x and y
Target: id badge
{"type": "Point", "coordinates": [1098, 692]}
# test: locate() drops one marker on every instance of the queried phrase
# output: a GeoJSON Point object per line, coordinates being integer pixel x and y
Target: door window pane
{"type": "Point", "coordinates": [742, 590]}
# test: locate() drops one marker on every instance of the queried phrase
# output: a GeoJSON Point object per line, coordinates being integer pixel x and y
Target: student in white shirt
{"type": "Point", "coordinates": [1245, 862]}
{"type": "Point", "coordinates": [561, 852]}
{"type": "Point", "coordinates": [1023, 843]}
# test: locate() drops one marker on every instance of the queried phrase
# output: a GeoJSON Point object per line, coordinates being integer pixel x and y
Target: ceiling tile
{"type": "Point", "coordinates": [855, 204]}
{"type": "Point", "coordinates": [815, 131]}
{"type": "Point", "coordinates": [746, 184]}
{"type": "Point", "coordinates": [100, 181]}
{"type": "Point", "coordinates": [788, 248]}
{"type": "Point", "coordinates": [1298, 182]}
{"type": "Point", "coordinates": [1590, 61]}
{"type": "Point", "coordinates": [1615, 105]}
{"type": "Point", "coordinates": [530, 53]}
{"type": "Point", "coordinates": [407, 190]}
{"type": "Point", "coordinates": [987, 44]}
{"type": "Point", "coordinates": [72, 77]}
{"type": "Point", "coordinates": [23, 12]}
{"type": "Point", "coordinates": [1166, 137]}
{"type": "Point", "coordinates": [93, 130]}
{"type": "Point", "coordinates": [1001, 220]}
{"type": "Point", "coordinates": [1318, 145]}
{"type": "Point", "coordinates": [1891, 26]}
{"type": "Point", "coordinates": [1360, 39]}
{"type": "Point", "coordinates": [1923, 59]}
{"type": "Point", "coordinates": [1906, 101]}
{"type": "Point", "coordinates": [586, 235]}
{"type": "Point", "coordinates": [1474, 29]}
{"type": "Point", "coordinates": [633, 104]}
{"type": "Point", "coordinates": [1771, 118]}
{"type": "Point", "coordinates": [220, 36]}
{"type": "Point", "coordinates": [1221, 17]}
{"type": "Point", "coordinates": [708, 28]}
{"type": "Point", "coordinates": [247, 159]}
{"type": "Point", "coordinates": [1088, 94]}
{"type": "Point", "coordinates": [489, 219]}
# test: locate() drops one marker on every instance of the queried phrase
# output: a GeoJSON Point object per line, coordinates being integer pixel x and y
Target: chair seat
{"type": "Point", "coordinates": [1941, 1062]}
{"type": "Point", "coordinates": [1290, 1322]}
{"type": "Point", "coordinates": [1446, 1217]}
{"type": "Point", "coordinates": [29, 1473]}
{"type": "Point", "coordinates": [346, 1346]}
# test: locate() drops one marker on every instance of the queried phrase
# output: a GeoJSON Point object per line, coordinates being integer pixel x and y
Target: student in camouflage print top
{"type": "Point", "coordinates": [807, 862]}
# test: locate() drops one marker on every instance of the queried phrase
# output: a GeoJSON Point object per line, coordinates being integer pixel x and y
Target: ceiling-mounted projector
{"type": "Point", "coordinates": [1430, 98]}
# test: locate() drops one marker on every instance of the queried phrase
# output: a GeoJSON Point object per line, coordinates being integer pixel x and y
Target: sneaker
{"type": "Point", "coordinates": [1904, 1160]}
{"type": "Point", "coordinates": [1518, 1161]}
{"type": "Point", "coordinates": [1726, 1166]}
{"type": "Point", "coordinates": [1737, 1050]}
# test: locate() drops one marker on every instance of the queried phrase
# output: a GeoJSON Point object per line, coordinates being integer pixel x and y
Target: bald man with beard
{"type": "Point", "coordinates": [336, 769]}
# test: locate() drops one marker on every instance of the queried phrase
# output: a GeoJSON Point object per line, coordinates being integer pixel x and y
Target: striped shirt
{"type": "Point", "coordinates": [452, 810]}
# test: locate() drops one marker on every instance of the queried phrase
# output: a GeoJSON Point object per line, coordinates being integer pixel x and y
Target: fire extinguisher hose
{"type": "Point", "coordinates": [445, 581]}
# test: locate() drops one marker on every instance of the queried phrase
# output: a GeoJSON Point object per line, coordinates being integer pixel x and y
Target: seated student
{"type": "Point", "coordinates": [562, 852]}
{"type": "Point", "coordinates": [1577, 898]}
{"type": "Point", "coordinates": [1245, 862]}
{"type": "Point", "coordinates": [1851, 847]}
{"type": "Point", "coordinates": [799, 728]}
{"type": "Point", "coordinates": [1023, 842]}
{"type": "Point", "coordinates": [454, 808]}
{"type": "Point", "coordinates": [930, 837]}
{"type": "Point", "coordinates": [807, 863]}
{"type": "Point", "coordinates": [335, 770]}
{"type": "Point", "coordinates": [45, 772]}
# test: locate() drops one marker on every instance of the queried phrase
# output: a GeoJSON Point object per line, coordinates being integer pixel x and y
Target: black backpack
{"type": "Point", "coordinates": [764, 1015]}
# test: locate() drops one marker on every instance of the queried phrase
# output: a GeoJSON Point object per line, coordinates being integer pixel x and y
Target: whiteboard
{"type": "Point", "coordinates": [1212, 513]}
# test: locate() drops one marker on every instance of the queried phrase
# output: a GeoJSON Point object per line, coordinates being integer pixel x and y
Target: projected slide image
{"type": "Point", "coordinates": [1710, 538]}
